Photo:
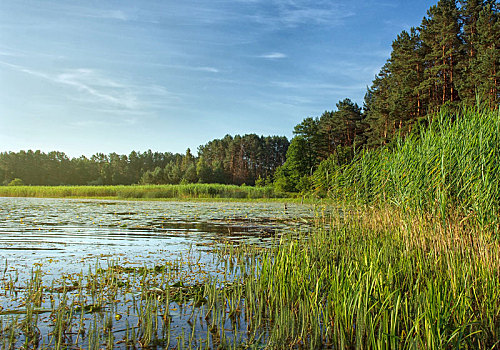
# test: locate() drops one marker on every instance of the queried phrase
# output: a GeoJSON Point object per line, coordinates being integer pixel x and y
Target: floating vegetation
{"type": "Point", "coordinates": [166, 266]}
{"type": "Point", "coordinates": [369, 278]}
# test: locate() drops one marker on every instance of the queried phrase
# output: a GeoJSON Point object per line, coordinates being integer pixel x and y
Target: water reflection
{"type": "Point", "coordinates": [65, 234]}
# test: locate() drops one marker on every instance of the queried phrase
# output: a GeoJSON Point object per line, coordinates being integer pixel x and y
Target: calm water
{"type": "Point", "coordinates": [66, 238]}
{"type": "Point", "coordinates": [66, 235]}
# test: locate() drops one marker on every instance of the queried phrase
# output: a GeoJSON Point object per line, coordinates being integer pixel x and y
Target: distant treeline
{"type": "Point", "coordinates": [231, 160]}
{"type": "Point", "coordinates": [451, 60]}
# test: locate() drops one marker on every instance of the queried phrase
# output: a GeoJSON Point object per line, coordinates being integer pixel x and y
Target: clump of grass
{"type": "Point", "coordinates": [380, 278]}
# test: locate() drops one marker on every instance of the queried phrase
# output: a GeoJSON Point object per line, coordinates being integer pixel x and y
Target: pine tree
{"type": "Point", "coordinates": [406, 67]}
{"type": "Point", "coordinates": [378, 109]}
{"type": "Point", "coordinates": [440, 34]}
{"type": "Point", "coordinates": [469, 17]}
{"type": "Point", "coordinates": [487, 64]}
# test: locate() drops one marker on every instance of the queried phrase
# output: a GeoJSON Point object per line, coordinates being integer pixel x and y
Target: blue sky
{"type": "Point", "coordinates": [115, 76]}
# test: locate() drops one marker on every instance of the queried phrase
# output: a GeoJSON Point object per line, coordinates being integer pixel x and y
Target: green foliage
{"type": "Point", "coordinates": [204, 172]}
{"type": "Point", "coordinates": [241, 159]}
{"type": "Point", "coordinates": [16, 182]}
{"type": "Point", "coordinates": [304, 184]}
{"type": "Point", "coordinates": [453, 57]}
{"type": "Point", "coordinates": [453, 165]}
{"type": "Point", "coordinates": [337, 132]}
{"type": "Point", "coordinates": [184, 191]}
{"type": "Point", "coordinates": [190, 175]}
{"type": "Point", "coordinates": [327, 170]}
{"type": "Point", "coordinates": [260, 182]}
{"type": "Point", "coordinates": [297, 165]}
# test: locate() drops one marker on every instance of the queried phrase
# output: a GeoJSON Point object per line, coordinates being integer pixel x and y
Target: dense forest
{"type": "Point", "coordinates": [452, 59]}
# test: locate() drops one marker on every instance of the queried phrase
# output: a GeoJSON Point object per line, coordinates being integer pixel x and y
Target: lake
{"type": "Point", "coordinates": [66, 234]}
{"type": "Point", "coordinates": [67, 239]}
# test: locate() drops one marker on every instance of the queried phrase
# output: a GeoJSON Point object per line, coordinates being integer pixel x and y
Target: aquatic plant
{"type": "Point", "coordinates": [452, 166]}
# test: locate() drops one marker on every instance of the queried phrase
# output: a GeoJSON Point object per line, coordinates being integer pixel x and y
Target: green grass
{"type": "Point", "coordinates": [189, 191]}
{"type": "Point", "coordinates": [378, 279]}
{"type": "Point", "coordinates": [416, 268]}
{"type": "Point", "coordinates": [451, 166]}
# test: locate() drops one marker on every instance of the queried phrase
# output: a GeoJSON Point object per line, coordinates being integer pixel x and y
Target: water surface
{"type": "Point", "coordinates": [66, 235]}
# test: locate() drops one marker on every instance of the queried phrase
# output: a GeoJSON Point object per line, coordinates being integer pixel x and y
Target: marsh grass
{"type": "Point", "coordinates": [379, 280]}
{"type": "Point", "coordinates": [189, 191]}
{"type": "Point", "coordinates": [418, 267]}
{"type": "Point", "coordinates": [452, 166]}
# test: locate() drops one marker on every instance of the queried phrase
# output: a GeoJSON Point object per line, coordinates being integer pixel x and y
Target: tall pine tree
{"type": "Point", "coordinates": [440, 34]}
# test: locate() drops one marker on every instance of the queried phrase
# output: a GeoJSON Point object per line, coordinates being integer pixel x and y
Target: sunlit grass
{"type": "Point", "coordinates": [451, 166]}
{"type": "Point", "coordinates": [416, 268]}
{"type": "Point", "coordinates": [188, 191]}
{"type": "Point", "coordinates": [376, 278]}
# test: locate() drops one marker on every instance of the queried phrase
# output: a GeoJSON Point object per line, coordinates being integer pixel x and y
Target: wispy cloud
{"type": "Point", "coordinates": [317, 86]}
{"type": "Point", "coordinates": [25, 70]}
{"type": "Point", "coordinates": [268, 14]}
{"type": "Point", "coordinates": [273, 55]}
{"type": "Point", "coordinates": [10, 54]}
{"type": "Point", "coordinates": [107, 14]}
{"type": "Point", "coordinates": [28, 53]}
{"type": "Point", "coordinates": [103, 122]}
{"type": "Point", "coordinates": [94, 87]}
{"type": "Point", "coordinates": [293, 13]}
{"type": "Point", "coordinates": [208, 69]}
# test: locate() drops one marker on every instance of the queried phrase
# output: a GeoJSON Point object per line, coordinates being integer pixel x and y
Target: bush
{"type": "Point", "coordinates": [16, 182]}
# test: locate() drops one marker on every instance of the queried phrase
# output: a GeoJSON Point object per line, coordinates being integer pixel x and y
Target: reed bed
{"type": "Point", "coordinates": [188, 191]}
{"type": "Point", "coordinates": [451, 166]}
{"type": "Point", "coordinates": [416, 268]}
{"type": "Point", "coordinates": [379, 279]}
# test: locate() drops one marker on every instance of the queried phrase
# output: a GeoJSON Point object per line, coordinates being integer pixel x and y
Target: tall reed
{"type": "Point", "coordinates": [453, 165]}
{"type": "Point", "coordinates": [380, 279]}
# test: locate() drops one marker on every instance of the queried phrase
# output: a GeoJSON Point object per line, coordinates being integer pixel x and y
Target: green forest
{"type": "Point", "coordinates": [450, 61]}
{"type": "Point", "coordinates": [231, 160]}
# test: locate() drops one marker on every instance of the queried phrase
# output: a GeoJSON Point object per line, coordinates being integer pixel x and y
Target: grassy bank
{"type": "Point", "coordinates": [417, 266]}
{"type": "Point", "coordinates": [381, 279]}
{"type": "Point", "coordinates": [451, 166]}
{"type": "Point", "coordinates": [189, 191]}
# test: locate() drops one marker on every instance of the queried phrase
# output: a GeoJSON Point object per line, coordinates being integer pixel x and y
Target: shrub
{"type": "Point", "coordinates": [16, 182]}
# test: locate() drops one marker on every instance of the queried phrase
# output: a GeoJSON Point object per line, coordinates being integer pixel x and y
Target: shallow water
{"type": "Point", "coordinates": [67, 239]}
{"type": "Point", "coordinates": [66, 235]}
